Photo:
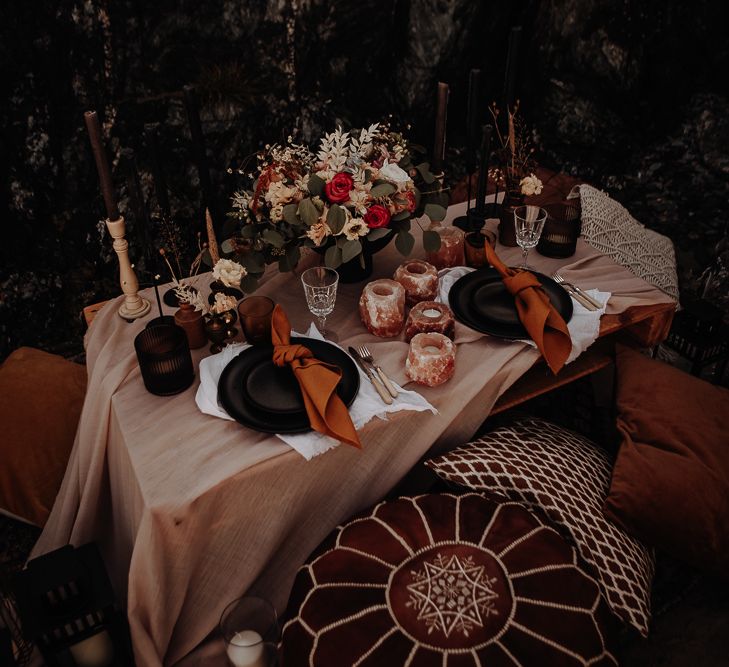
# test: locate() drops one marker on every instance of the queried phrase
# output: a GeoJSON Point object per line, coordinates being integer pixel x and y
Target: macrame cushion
{"type": "Point", "coordinates": [444, 579]}
{"type": "Point", "coordinates": [565, 477]}
{"type": "Point", "coordinates": [608, 227]}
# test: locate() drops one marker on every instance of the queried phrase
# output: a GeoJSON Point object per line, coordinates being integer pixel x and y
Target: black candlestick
{"type": "Point", "coordinates": [472, 114]}
{"type": "Point", "coordinates": [483, 172]}
{"type": "Point", "coordinates": [512, 67]}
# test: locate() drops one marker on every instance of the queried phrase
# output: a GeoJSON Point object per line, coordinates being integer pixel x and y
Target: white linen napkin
{"type": "Point", "coordinates": [584, 327]}
{"type": "Point", "coordinates": [365, 406]}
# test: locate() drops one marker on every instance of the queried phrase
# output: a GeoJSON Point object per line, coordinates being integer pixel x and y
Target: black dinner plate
{"type": "Point", "coordinates": [481, 301]}
{"type": "Point", "coordinates": [260, 395]}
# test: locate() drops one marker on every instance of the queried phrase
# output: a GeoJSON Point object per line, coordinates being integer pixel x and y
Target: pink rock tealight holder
{"type": "Point", "coordinates": [431, 359]}
{"type": "Point", "coordinates": [451, 252]}
{"type": "Point", "coordinates": [382, 307]}
{"type": "Point", "coordinates": [430, 317]}
{"type": "Point", "coordinates": [419, 279]}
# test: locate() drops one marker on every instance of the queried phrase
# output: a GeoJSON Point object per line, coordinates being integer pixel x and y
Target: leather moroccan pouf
{"type": "Point", "coordinates": [445, 580]}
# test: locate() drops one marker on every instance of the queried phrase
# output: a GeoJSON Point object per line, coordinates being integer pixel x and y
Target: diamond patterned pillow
{"type": "Point", "coordinates": [566, 477]}
{"type": "Point", "coordinates": [608, 227]}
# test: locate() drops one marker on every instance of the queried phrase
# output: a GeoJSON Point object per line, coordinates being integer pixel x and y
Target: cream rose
{"type": "Point", "coordinates": [393, 173]}
{"type": "Point", "coordinates": [530, 185]}
{"type": "Point", "coordinates": [230, 273]}
{"type": "Point", "coordinates": [223, 303]}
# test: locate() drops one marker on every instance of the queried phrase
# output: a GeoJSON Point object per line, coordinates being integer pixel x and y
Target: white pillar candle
{"type": "Point", "coordinates": [246, 649]}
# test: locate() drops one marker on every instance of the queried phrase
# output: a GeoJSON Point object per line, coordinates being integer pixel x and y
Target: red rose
{"type": "Point", "coordinates": [410, 197]}
{"type": "Point", "coordinates": [377, 216]}
{"type": "Point", "coordinates": [338, 189]}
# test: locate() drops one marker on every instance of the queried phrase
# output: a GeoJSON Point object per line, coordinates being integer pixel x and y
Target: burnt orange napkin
{"type": "Point", "coordinates": [318, 381]}
{"type": "Point", "coordinates": [536, 312]}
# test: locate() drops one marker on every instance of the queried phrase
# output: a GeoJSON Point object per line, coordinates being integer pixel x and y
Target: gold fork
{"type": "Point", "coordinates": [365, 353]}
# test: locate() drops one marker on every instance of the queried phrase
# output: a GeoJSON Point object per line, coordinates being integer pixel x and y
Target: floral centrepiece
{"type": "Point", "coordinates": [360, 186]}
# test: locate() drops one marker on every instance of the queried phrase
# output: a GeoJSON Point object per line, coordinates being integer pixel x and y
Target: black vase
{"type": "Point", "coordinates": [360, 268]}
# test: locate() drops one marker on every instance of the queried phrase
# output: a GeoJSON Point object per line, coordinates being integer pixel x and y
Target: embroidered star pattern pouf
{"type": "Point", "coordinates": [445, 580]}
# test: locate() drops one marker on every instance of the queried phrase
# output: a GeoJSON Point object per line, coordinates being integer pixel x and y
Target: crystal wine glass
{"type": "Point", "coordinates": [528, 223]}
{"type": "Point", "coordinates": [320, 287]}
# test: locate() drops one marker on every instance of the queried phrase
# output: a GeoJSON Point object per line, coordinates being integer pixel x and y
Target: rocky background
{"type": "Point", "coordinates": [632, 96]}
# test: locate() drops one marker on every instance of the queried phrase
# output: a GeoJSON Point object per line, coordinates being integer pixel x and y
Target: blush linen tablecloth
{"type": "Point", "coordinates": [191, 511]}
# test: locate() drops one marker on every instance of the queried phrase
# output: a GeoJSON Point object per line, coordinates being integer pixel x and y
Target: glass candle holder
{"type": "Point", "coordinates": [382, 307]}
{"type": "Point", "coordinates": [164, 359]}
{"type": "Point", "coordinates": [451, 251]}
{"type": "Point", "coordinates": [250, 630]}
{"type": "Point", "coordinates": [430, 317]}
{"type": "Point", "coordinates": [431, 359]}
{"type": "Point", "coordinates": [419, 279]}
{"type": "Point", "coordinates": [255, 319]}
{"type": "Point", "coordinates": [561, 230]}
{"type": "Point", "coordinates": [474, 246]}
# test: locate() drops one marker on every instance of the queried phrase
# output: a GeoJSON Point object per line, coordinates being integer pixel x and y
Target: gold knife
{"type": "Point", "coordinates": [386, 398]}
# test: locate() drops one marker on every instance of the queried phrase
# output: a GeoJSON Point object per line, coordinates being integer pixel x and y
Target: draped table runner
{"type": "Point", "coordinates": [191, 511]}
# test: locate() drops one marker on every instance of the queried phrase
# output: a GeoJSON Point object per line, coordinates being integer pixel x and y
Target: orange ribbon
{"type": "Point", "coordinates": [318, 382]}
{"type": "Point", "coordinates": [536, 312]}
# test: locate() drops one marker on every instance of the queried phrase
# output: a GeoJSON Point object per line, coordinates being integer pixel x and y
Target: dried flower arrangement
{"type": "Point", "coordinates": [515, 154]}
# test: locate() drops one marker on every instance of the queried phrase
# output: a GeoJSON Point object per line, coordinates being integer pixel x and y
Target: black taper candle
{"type": "Point", "coordinates": [512, 67]}
{"type": "Point", "coordinates": [472, 117]}
{"type": "Point", "coordinates": [151, 136]}
{"type": "Point", "coordinates": [198, 149]}
{"type": "Point", "coordinates": [156, 293]}
{"type": "Point", "coordinates": [136, 200]}
{"type": "Point", "coordinates": [483, 170]}
{"type": "Point", "coordinates": [102, 164]}
{"type": "Point", "coordinates": [439, 140]}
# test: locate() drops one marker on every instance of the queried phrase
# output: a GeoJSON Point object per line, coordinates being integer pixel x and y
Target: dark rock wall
{"type": "Point", "coordinates": [630, 95]}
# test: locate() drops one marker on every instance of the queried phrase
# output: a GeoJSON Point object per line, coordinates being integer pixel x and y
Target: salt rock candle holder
{"type": "Point", "coordinates": [431, 359]}
{"type": "Point", "coordinates": [382, 307]}
{"type": "Point", "coordinates": [430, 317]}
{"type": "Point", "coordinates": [451, 251]}
{"type": "Point", "coordinates": [419, 279]}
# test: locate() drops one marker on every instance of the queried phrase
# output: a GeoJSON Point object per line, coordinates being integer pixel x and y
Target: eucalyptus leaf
{"type": "Point", "coordinates": [378, 233]}
{"type": "Point", "coordinates": [316, 185]}
{"type": "Point", "coordinates": [273, 237]}
{"type": "Point", "coordinates": [253, 262]}
{"type": "Point", "coordinates": [403, 215]}
{"type": "Point", "coordinates": [350, 250]}
{"type": "Point", "coordinates": [248, 232]}
{"type": "Point", "coordinates": [404, 243]}
{"type": "Point", "coordinates": [383, 190]}
{"type": "Point", "coordinates": [425, 173]}
{"type": "Point", "coordinates": [249, 284]}
{"type": "Point", "coordinates": [336, 218]}
{"type": "Point", "coordinates": [205, 258]}
{"type": "Point", "coordinates": [227, 246]}
{"type": "Point", "coordinates": [431, 241]}
{"type": "Point", "coordinates": [435, 212]}
{"type": "Point", "coordinates": [308, 212]}
{"type": "Point", "coordinates": [333, 257]}
{"type": "Point", "coordinates": [289, 214]}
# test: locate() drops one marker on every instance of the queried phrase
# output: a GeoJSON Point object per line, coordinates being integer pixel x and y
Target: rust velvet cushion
{"type": "Point", "coordinates": [670, 484]}
{"type": "Point", "coordinates": [42, 395]}
{"type": "Point", "coordinates": [446, 579]}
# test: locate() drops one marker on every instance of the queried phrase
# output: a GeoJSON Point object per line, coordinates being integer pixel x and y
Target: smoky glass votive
{"type": "Point", "coordinates": [561, 230]}
{"type": "Point", "coordinates": [164, 359]}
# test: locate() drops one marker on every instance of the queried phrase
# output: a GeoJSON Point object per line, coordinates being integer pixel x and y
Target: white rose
{"type": "Point", "coordinates": [530, 185]}
{"type": "Point", "coordinates": [223, 303]}
{"type": "Point", "coordinates": [394, 173]}
{"type": "Point", "coordinates": [230, 273]}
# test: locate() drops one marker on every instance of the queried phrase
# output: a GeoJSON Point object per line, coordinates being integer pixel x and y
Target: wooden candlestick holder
{"type": "Point", "coordinates": [134, 306]}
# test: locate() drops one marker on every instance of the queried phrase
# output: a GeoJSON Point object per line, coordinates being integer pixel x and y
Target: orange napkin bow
{"type": "Point", "coordinates": [318, 381]}
{"type": "Point", "coordinates": [536, 312]}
